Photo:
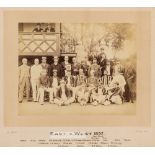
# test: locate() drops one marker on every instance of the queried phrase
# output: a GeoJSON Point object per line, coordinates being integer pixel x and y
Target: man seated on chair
{"type": "Point", "coordinates": [82, 91]}
{"type": "Point", "coordinates": [54, 83]}
{"type": "Point", "coordinates": [81, 78]}
{"type": "Point", "coordinates": [68, 79]}
{"type": "Point", "coordinates": [116, 88]}
{"type": "Point", "coordinates": [92, 80]}
{"type": "Point", "coordinates": [114, 95]}
{"type": "Point", "coordinates": [65, 95]}
{"type": "Point", "coordinates": [44, 86]}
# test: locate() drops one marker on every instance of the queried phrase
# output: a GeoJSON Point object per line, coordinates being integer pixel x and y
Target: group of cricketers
{"type": "Point", "coordinates": [88, 82]}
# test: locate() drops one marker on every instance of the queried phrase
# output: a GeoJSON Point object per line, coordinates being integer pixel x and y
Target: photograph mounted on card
{"type": "Point", "coordinates": [90, 70]}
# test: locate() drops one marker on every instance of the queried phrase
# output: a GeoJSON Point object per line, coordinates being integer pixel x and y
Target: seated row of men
{"type": "Point", "coordinates": [88, 91]}
{"type": "Point", "coordinates": [72, 87]}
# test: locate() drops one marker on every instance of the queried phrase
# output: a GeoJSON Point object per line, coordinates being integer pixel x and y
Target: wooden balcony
{"type": "Point", "coordinates": [42, 43]}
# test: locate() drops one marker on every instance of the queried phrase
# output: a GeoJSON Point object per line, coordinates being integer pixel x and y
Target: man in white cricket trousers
{"type": "Point", "coordinates": [35, 75]}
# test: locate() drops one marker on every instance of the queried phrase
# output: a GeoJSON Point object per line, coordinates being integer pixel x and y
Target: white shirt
{"type": "Point", "coordinates": [36, 71]}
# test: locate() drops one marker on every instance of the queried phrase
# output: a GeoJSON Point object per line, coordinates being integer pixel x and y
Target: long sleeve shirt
{"type": "Point", "coordinates": [24, 71]}
{"type": "Point", "coordinates": [36, 71]}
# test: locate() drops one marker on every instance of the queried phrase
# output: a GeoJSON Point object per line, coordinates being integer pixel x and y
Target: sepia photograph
{"type": "Point", "coordinates": [77, 77]}
{"type": "Point", "coordinates": [83, 68]}
{"type": "Point", "coordinates": [83, 71]}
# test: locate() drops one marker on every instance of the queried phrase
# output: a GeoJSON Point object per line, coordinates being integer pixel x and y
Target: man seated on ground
{"type": "Point", "coordinates": [82, 94]}
{"type": "Point", "coordinates": [65, 95]}
{"type": "Point", "coordinates": [44, 86]}
{"type": "Point", "coordinates": [98, 94]}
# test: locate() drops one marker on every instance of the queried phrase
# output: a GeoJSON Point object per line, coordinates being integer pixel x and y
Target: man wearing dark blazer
{"type": "Point", "coordinates": [102, 63]}
{"type": "Point", "coordinates": [55, 66]}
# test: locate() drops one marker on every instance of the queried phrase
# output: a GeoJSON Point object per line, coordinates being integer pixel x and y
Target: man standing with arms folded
{"type": "Point", "coordinates": [24, 80]}
{"type": "Point", "coordinates": [35, 75]}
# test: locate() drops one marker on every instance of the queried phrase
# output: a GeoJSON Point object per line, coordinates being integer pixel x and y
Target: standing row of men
{"type": "Point", "coordinates": [72, 78]}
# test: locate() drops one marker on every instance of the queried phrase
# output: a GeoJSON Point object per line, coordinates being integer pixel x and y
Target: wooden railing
{"type": "Point", "coordinates": [45, 43]}
{"type": "Point", "coordinates": [42, 43]}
